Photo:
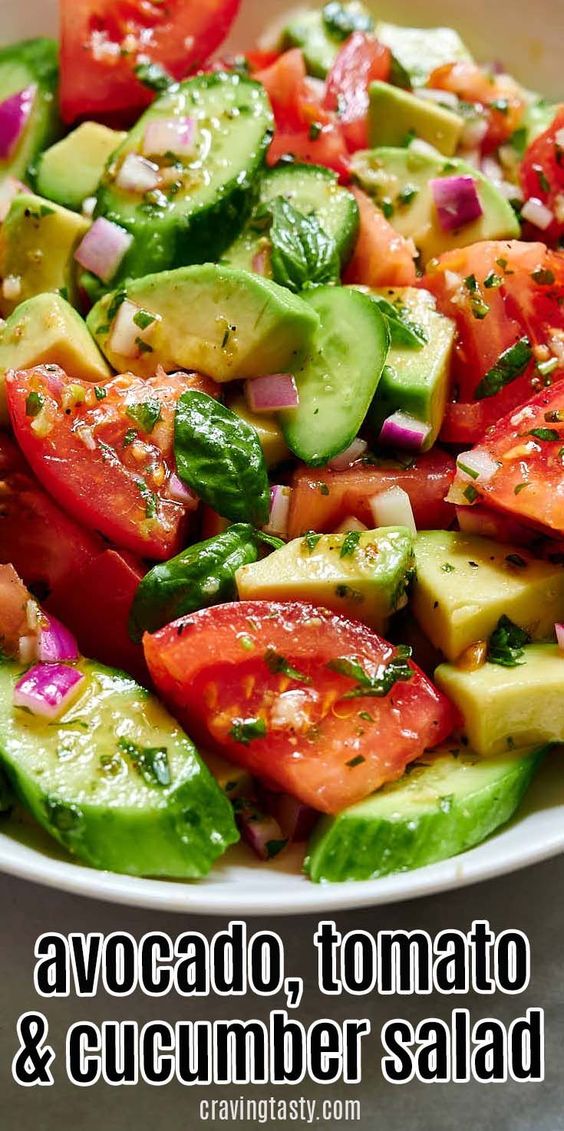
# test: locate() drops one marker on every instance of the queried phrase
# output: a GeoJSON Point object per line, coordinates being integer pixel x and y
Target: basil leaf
{"type": "Point", "coordinates": [246, 730]}
{"type": "Point", "coordinates": [218, 455]}
{"type": "Point", "coordinates": [145, 413]}
{"type": "Point", "coordinates": [341, 20]}
{"type": "Point", "coordinates": [403, 332]}
{"type": "Point", "coordinates": [505, 646]}
{"type": "Point", "coordinates": [379, 685]}
{"type": "Point", "coordinates": [303, 255]}
{"type": "Point", "coordinates": [200, 576]}
{"type": "Point", "coordinates": [509, 365]}
{"type": "Point", "coordinates": [149, 761]}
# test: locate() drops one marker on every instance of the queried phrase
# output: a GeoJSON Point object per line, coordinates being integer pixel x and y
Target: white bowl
{"type": "Point", "coordinates": [532, 48]}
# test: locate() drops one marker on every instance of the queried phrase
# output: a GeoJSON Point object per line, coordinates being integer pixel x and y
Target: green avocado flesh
{"type": "Point", "coordinates": [197, 216]}
{"type": "Point", "coordinates": [226, 323]}
{"type": "Point", "coordinates": [33, 63]}
{"type": "Point", "coordinates": [115, 780]}
{"type": "Point", "coordinates": [446, 803]}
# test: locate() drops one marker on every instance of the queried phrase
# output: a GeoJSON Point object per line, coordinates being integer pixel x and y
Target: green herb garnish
{"type": "Point", "coordinates": [146, 414]}
{"type": "Point", "coordinates": [246, 730]}
{"type": "Point", "coordinates": [350, 544]}
{"type": "Point", "coordinates": [509, 365]}
{"type": "Point", "coordinates": [279, 665]}
{"type": "Point", "coordinates": [506, 644]}
{"type": "Point", "coordinates": [150, 761]}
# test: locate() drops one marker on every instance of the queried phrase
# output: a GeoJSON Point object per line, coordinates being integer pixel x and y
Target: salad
{"type": "Point", "coordinates": [281, 439]}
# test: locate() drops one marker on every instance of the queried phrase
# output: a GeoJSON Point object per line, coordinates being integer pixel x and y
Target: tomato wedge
{"type": "Point", "coordinates": [498, 292]}
{"type": "Point", "coordinates": [46, 547]}
{"type": "Point", "coordinates": [106, 454]}
{"type": "Point", "coordinates": [322, 499]}
{"type": "Point", "coordinates": [528, 447]}
{"type": "Point", "coordinates": [361, 60]}
{"type": "Point", "coordinates": [542, 175]}
{"type": "Point", "coordinates": [289, 692]}
{"type": "Point", "coordinates": [104, 41]}
{"type": "Point", "coordinates": [382, 258]}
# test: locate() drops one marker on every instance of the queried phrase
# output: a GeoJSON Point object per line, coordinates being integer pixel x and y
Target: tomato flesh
{"type": "Point", "coordinates": [107, 459]}
{"type": "Point", "coordinates": [361, 60]}
{"type": "Point", "coordinates": [322, 499]}
{"type": "Point", "coordinates": [103, 41]}
{"type": "Point", "coordinates": [498, 97]}
{"type": "Point", "coordinates": [542, 175]}
{"type": "Point", "coordinates": [255, 681]}
{"type": "Point", "coordinates": [382, 257]}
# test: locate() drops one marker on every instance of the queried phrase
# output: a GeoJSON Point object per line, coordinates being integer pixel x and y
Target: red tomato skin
{"type": "Point", "coordinates": [520, 307]}
{"type": "Point", "coordinates": [361, 60]}
{"type": "Point", "coordinates": [97, 78]}
{"type": "Point", "coordinates": [382, 258]}
{"type": "Point", "coordinates": [524, 458]}
{"type": "Point", "coordinates": [95, 605]}
{"type": "Point", "coordinates": [204, 668]}
{"type": "Point", "coordinates": [46, 547]}
{"type": "Point", "coordinates": [105, 488]}
{"type": "Point", "coordinates": [322, 499]}
{"type": "Point", "coordinates": [542, 175]}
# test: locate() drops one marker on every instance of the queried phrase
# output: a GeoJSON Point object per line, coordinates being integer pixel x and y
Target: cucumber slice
{"type": "Point", "coordinates": [32, 63]}
{"type": "Point", "coordinates": [340, 376]}
{"type": "Point", "coordinates": [78, 778]}
{"type": "Point", "coordinates": [198, 215]}
{"type": "Point", "coordinates": [311, 189]}
{"type": "Point", "coordinates": [446, 803]}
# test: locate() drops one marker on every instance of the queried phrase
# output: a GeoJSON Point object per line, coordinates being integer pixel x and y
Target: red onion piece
{"type": "Point", "coordinates": [48, 689]}
{"type": "Point", "coordinates": [178, 491]}
{"type": "Point", "coordinates": [559, 629]}
{"type": "Point", "coordinates": [275, 393]}
{"type": "Point", "coordinates": [476, 466]}
{"type": "Point", "coordinates": [260, 830]}
{"type": "Point", "coordinates": [351, 454]}
{"type": "Point", "coordinates": [14, 116]}
{"type": "Point", "coordinates": [9, 190]}
{"type": "Point", "coordinates": [537, 213]}
{"type": "Point", "coordinates": [295, 819]}
{"type": "Point", "coordinates": [260, 262]}
{"type": "Point", "coordinates": [103, 248]}
{"type": "Point", "coordinates": [393, 508]}
{"type": "Point", "coordinates": [138, 175]}
{"type": "Point", "coordinates": [456, 200]}
{"type": "Point", "coordinates": [170, 135]}
{"type": "Point", "coordinates": [280, 498]}
{"type": "Point", "coordinates": [56, 643]}
{"type": "Point", "coordinates": [403, 431]}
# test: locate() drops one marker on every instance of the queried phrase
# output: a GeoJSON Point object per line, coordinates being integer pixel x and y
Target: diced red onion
{"type": "Point", "coordinates": [476, 466]}
{"type": "Point", "coordinates": [295, 819]}
{"type": "Point", "coordinates": [138, 175]}
{"type": "Point", "coordinates": [351, 454]}
{"type": "Point", "coordinates": [351, 523]}
{"type": "Point", "coordinates": [14, 116]}
{"type": "Point", "coordinates": [393, 508]}
{"type": "Point", "coordinates": [56, 643]}
{"type": "Point", "coordinates": [126, 334]}
{"type": "Point", "coordinates": [474, 132]}
{"type": "Point", "coordinates": [260, 262]}
{"type": "Point", "coordinates": [456, 200]}
{"type": "Point", "coordinates": [259, 830]}
{"type": "Point", "coordinates": [9, 190]}
{"type": "Point", "coordinates": [103, 248]}
{"type": "Point", "coordinates": [275, 393]}
{"type": "Point", "coordinates": [48, 689]}
{"type": "Point", "coordinates": [170, 135]}
{"type": "Point", "coordinates": [280, 498]}
{"type": "Point", "coordinates": [401, 430]}
{"type": "Point", "coordinates": [178, 491]}
{"type": "Point", "coordinates": [559, 628]}
{"type": "Point", "coordinates": [537, 213]}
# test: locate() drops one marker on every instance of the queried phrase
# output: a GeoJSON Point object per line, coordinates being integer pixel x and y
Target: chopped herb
{"type": "Point", "coordinates": [500, 104]}
{"type": "Point", "coordinates": [474, 565]}
{"type": "Point", "coordinates": [149, 498]}
{"type": "Point", "coordinates": [143, 319]}
{"type": "Point", "coordinates": [129, 437]}
{"type": "Point", "coordinates": [310, 540]}
{"type": "Point", "coordinates": [34, 402]}
{"type": "Point", "coordinates": [350, 544]}
{"type": "Point", "coordinates": [346, 592]}
{"type": "Point", "coordinates": [355, 761]}
{"type": "Point", "coordinates": [543, 180]}
{"type": "Point", "coordinates": [408, 194]}
{"type": "Point", "coordinates": [479, 308]}
{"type": "Point", "coordinates": [365, 715]}
{"type": "Point", "coordinates": [470, 493]}
{"type": "Point", "coordinates": [99, 392]}
{"type": "Point", "coordinates": [468, 470]}
{"type": "Point", "coordinates": [315, 130]}
{"type": "Point", "coordinates": [142, 346]}
{"type": "Point", "coordinates": [505, 646]}
{"type": "Point", "coordinates": [520, 487]}
{"type": "Point", "coordinates": [543, 276]}
{"type": "Point", "coordinates": [150, 761]}
{"type": "Point", "coordinates": [387, 675]}
{"type": "Point", "coordinates": [509, 365]}
{"type": "Point", "coordinates": [447, 567]}
{"type": "Point", "coordinates": [518, 140]}
{"type": "Point", "coordinates": [387, 207]}
{"type": "Point", "coordinates": [323, 489]}
{"type": "Point", "coordinates": [146, 414]}
{"type": "Point", "coordinates": [403, 331]}
{"type": "Point", "coordinates": [154, 77]}
{"type": "Point", "coordinates": [341, 20]}
{"type": "Point", "coordinates": [246, 730]}
{"type": "Point", "coordinates": [117, 301]}
{"type": "Point", "coordinates": [548, 435]}
{"type": "Point", "coordinates": [278, 665]}
{"type": "Point", "coordinates": [516, 560]}
{"type": "Point", "coordinates": [274, 848]}
{"type": "Point", "coordinates": [492, 281]}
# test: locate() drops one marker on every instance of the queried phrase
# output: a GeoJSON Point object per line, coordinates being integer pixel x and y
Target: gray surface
{"type": "Point", "coordinates": [530, 901]}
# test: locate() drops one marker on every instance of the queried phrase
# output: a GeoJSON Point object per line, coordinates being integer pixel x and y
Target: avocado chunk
{"type": "Point", "coordinates": [267, 429]}
{"type": "Point", "coordinates": [447, 802]}
{"type": "Point", "coordinates": [363, 575]}
{"type": "Point", "coordinates": [201, 197]}
{"type": "Point", "coordinates": [47, 330]}
{"type": "Point", "coordinates": [70, 171]}
{"type": "Point", "coordinates": [396, 115]}
{"type": "Point", "coordinates": [419, 50]}
{"type": "Point", "coordinates": [506, 707]}
{"type": "Point", "coordinates": [465, 584]}
{"type": "Point", "coordinates": [398, 181]}
{"type": "Point", "coordinates": [31, 65]}
{"type": "Point", "coordinates": [37, 244]}
{"type": "Point", "coordinates": [320, 34]}
{"type": "Point", "coordinates": [115, 780]}
{"type": "Point", "coordinates": [416, 381]}
{"type": "Point", "coordinates": [226, 323]}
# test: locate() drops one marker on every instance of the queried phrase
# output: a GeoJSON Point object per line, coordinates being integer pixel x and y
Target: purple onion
{"type": "Point", "coordinates": [456, 200]}
{"type": "Point", "coordinates": [274, 393]}
{"type": "Point", "coordinates": [403, 431]}
{"type": "Point", "coordinates": [351, 454]}
{"type": "Point", "coordinates": [170, 135]}
{"type": "Point", "coordinates": [47, 689]}
{"type": "Point", "coordinates": [280, 498]}
{"type": "Point", "coordinates": [56, 643]}
{"type": "Point", "coordinates": [103, 248]}
{"type": "Point", "coordinates": [559, 629]}
{"type": "Point", "coordinates": [260, 830]}
{"type": "Point", "coordinates": [295, 819]}
{"type": "Point", "coordinates": [14, 116]}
